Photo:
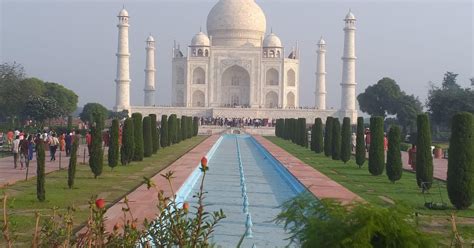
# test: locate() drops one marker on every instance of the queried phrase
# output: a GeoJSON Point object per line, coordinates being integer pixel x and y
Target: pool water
{"type": "Point", "coordinates": [249, 185]}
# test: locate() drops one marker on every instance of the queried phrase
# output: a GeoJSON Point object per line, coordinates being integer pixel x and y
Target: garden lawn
{"type": "Point", "coordinates": [112, 185]}
{"type": "Point", "coordinates": [380, 191]}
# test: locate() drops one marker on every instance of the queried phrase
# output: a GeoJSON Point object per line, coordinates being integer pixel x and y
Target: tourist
{"type": "Point", "coordinates": [354, 141]}
{"type": "Point", "coordinates": [53, 146]}
{"type": "Point", "coordinates": [367, 139]}
{"type": "Point", "coordinates": [15, 150]}
{"type": "Point", "coordinates": [385, 142]}
{"type": "Point", "coordinates": [10, 137]}
{"type": "Point", "coordinates": [62, 142]}
{"type": "Point", "coordinates": [412, 156]}
{"type": "Point", "coordinates": [24, 150]}
{"type": "Point", "coordinates": [68, 143]}
{"type": "Point", "coordinates": [89, 142]}
{"type": "Point", "coordinates": [31, 145]}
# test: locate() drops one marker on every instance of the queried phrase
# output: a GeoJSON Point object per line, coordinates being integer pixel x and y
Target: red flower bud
{"type": "Point", "coordinates": [100, 203]}
{"type": "Point", "coordinates": [204, 162]}
{"type": "Point", "coordinates": [186, 207]}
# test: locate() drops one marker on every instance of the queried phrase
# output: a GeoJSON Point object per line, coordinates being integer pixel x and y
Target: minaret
{"type": "Point", "coordinates": [348, 84]}
{"type": "Point", "coordinates": [123, 64]}
{"type": "Point", "coordinates": [321, 76]}
{"type": "Point", "coordinates": [150, 72]}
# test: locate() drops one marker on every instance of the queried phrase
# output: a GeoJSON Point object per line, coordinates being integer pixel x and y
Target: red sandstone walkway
{"type": "Point", "coordinates": [143, 201]}
{"type": "Point", "coordinates": [9, 175]}
{"type": "Point", "coordinates": [316, 182]}
{"type": "Point", "coordinates": [440, 166]}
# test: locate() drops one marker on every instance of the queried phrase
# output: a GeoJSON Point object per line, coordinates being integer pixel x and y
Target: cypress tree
{"type": "Point", "coordinates": [313, 137]}
{"type": "Point", "coordinates": [179, 133]}
{"type": "Point", "coordinates": [190, 125]}
{"type": "Point", "coordinates": [460, 180]}
{"type": "Point", "coordinates": [336, 139]}
{"type": "Point", "coordinates": [128, 142]}
{"type": "Point", "coordinates": [147, 137]}
{"type": "Point", "coordinates": [360, 144]}
{"type": "Point", "coordinates": [184, 129]}
{"type": "Point", "coordinates": [277, 125]}
{"type": "Point", "coordinates": [318, 145]}
{"type": "Point", "coordinates": [302, 132]}
{"type": "Point", "coordinates": [154, 133]}
{"type": "Point", "coordinates": [294, 130]}
{"type": "Point", "coordinates": [376, 152]}
{"type": "Point", "coordinates": [287, 131]}
{"type": "Point", "coordinates": [164, 139]}
{"type": "Point", "coordinates": [172, 129]}
{"type": "Point", "coordinates": [394, 156]}
{"type": "Point", "coordinates": [40, 174]}
{"type": "Point", "coordinates": [69, 124]}
{"type": "Point", "coordinates": [113, 155]}
{"type": "Point", "coordinates": [196, 125]}
{"type": "Point", "coordinates": [424, 159]}
{"type": "Point", "coordinates": [96, 158]}
{"type": "Point", "coordinates": [328, 137]}
{"type": "Point", "coordinates": [138, 135]}
{"type": "Point", "coordinates": [346, 135]}
{"type": "Point", "coordinates": [71, 171]}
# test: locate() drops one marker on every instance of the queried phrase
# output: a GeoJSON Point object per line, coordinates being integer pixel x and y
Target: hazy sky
{"type": "Point", "coordinates": [74, 42]}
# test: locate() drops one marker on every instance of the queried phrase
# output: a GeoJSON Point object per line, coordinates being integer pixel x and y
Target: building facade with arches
{"type": "Point", "coordinates": [236, 64]}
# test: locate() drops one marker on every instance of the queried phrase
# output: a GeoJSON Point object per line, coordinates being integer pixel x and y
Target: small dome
{"type": "Point", "coordinates": [150, 39]}
{"type": "Point", "coordinates": [322, 41]}
{"type": "Point", "coordinates": [350, 16]}
{"type": "Point", "coordinates": [272, 41]}
{"type": "Point", "coordinates": [123, 12]}
{"type": "Point", "coordinates": [200, 39]}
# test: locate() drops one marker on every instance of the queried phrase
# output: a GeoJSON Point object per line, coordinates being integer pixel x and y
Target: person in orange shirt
{"type": "Point", "coordinates": [385, 142]}
{"type": "Point", "coordinates": [62, 142]}
{"type": "Point", "coordinates": [10, 137]}
{"type": "Point", "coordinates": [89, 142]}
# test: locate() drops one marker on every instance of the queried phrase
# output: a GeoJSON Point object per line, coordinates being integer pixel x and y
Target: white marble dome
{"type": "Point", "coordinates": [272, 41]}
{"type": "Point", "coordinates": [236, 22]}
{"type": "Point", "coordinates": [150, 39]}
{"type": "Point", "coordinates": [350, 16]}
{"type": "Point", "coordinates": [123, 12]}
{"type": "Point", "coordinates": [200, 39]}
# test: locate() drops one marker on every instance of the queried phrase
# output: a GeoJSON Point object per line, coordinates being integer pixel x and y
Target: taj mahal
{"type": "Point", "coordinates": [237, 70]}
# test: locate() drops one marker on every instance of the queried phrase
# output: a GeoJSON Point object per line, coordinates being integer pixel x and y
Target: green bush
{"type": "Point", "coordinates": [138, 135]}
{"type": "Point", "coordinates": [128, 142]}
{"type": "Point", "coordinates": [336, 139]}
{"type": "Point", "coordinates": [40, 173]}
{"type": "Point", "coordinates": [184, 128]}
{"type": "Point", "coordinates": [360, 143]}
{"type": "Point", "coordinates": [190, 125]}
{"type": "Point", "coordinates": [302, 134]}
{"type": "Point", "coordinates": [424, 159]}
{"type": "Point", "coordinates": [179, 134]}
{"type": "Point", "coordinates": [346, 136]}
{"type": "Point", "coordinates": [287, 132]}
{"type": "Point", "coordinates": [164, 138]}
{"type": "Point", "coordinates": [96, 158]}
{"type": "Point", "coordinates": [154, 133]}
{"type": "Point", "coordinates": [114, 153]}
{"type": "Point", "coordinates": [147, 137]}
{"type": "Point", "coordinates": [313, 137]}
{"type": "Point", "coordinates": [376, 152]}
{"type": "Point", "coordinates": [318, 145]}
{"type": "Point", "coordinates": [71, 171]}
{"type": "Point", "coordinates": [460, 180]}
{"type": "Point", "coordinates": [196, 125]}
{"type": "Point", "coordinates": [325, 223]}
{"type": "Point", "coordinates": [394, 156]}
{"type": "Point", "coordinates": [404, 146]}
{"type": "Point", "coordinates": [172, 129]}
{"type": "Point", "coordinates": [328, 137]}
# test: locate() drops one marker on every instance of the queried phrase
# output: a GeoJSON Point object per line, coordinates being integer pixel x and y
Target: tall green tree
{"type": "Point", "coordinates": [328, 137]}
{"type": "Point", "coordinates": [71, 172]}
{"type": "Point", "coordinates": [66, 99]}
{"type": "Point", "coordinates": [138, 135]}
{"type": "Point", "coordinates": [319, 140]}
{"type": "Point", "coordinates": [164, 139]}
{"type": "Point", "coordinates": [424, 159]}
{"type": "Point", "coordinates": [287, 134]}
{"type": "Point", "coordinates": [90, 109]}
{"type": "Point", "coordinates": [96, 158]}
{"type": "Point", "coordinates": [147, 137]}
{"type": "Point", "coordinates": [154, 133]}
{"type": "Point", "coordinates": [128, 142]}
{"type": "Point", "coordinates": [346, 136]}
{"type": "Point", "coordinates": [190, 127]}
{"type": "Point", "coordinates": [179, 133]}
{"type": "Point", "coordinates": [376, 150]}
{"type": "Point", "coordinates": [336, 139]}
{"type": "Point", "coordinates": [184, 129]}
{"type": "Point", "coordinates": [394, 156]}
{"type": "Point", "coordinates": [301, 135]}
{"type": "Point", "coordinates": [360, 143]}
{"type": "Point", "coordinates": [69, 123]}
{"type": "Point", "coordinates": [460, 180]}
{"type": "Point", "coordinates": [173, 129]}
{"type": "Point", "coordinates": [313, 137]}
{"type": "Point", "coordinates": [40, 108]}
{"type": "Point", "coordinates": [40, 172]}
{"type": "Point", "coordinates": [196, 125]}
{"type": "Point", "coordinates": [114, 148]}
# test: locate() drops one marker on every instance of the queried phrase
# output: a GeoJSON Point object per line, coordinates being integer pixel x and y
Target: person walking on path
{"type": "Point", "coordinates": [354, 141]}
{"type": "Point", "coordinates": [89, 142]}
{"type": "Point", "coordinates": [15, 150]}
{"type": "Point", "coordinates": [24, 150]}
{"type": "Point", "coordinates": [53, 146]}
{"type": "Point", "coordinates": [62, 142]}
{"type": "Point", "coordinates": [68, 141]}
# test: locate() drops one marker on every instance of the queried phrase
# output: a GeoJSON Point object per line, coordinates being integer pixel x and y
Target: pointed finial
{"type": "Point", "coordinates": [271, 30]}
{"type": "Point", "coordinates": [200, 28]}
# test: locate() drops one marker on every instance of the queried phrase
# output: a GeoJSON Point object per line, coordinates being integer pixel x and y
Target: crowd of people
{"type": "Point", "coordinates": [236, 122]}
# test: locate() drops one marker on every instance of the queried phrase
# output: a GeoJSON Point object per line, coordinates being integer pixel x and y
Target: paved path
{"type": "Point", "coordinates": [9, 175]}
{"type": "Point", "coordinates": [316, 182]}
{"type": "Point", "coordinates": [440, 166]}
{"type": "Point", "coordinates": [143, 201]}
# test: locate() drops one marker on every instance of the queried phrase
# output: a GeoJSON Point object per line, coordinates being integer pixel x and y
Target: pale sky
{"type": "Point", "coordinates": [74, 42]}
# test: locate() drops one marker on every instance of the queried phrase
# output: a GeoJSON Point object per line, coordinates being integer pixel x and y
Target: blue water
{"type": "Point", "coordinates": [267, 185]}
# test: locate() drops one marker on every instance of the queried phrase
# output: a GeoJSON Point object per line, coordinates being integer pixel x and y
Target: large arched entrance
{"type": "Point", "coordinates": [290, 100]}
{"type": "Point", "coordinates": [271, 100]}
{"type": "Point", "coordinates": [235, 90]}
{"type": "Point", "coordinates": [198, 99]}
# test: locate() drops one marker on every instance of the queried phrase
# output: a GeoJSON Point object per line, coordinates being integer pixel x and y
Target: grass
{"type": "Point", "coordinates": [380, 191]}
{"type": "Point", "coordinates": [112, 185]}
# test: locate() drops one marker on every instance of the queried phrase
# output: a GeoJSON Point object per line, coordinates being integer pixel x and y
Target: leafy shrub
{"type": "Point", "coordinates": [128, 142]}
{"type": "Point", "coordinates": [376, 152]}
{"type": "Point", "coordinates": [328, 137]}
{"type": "Point", "coordinates": [394, 156]}
{"type": "Point", "coordinates": [346, 136]}
{"type": "Point", "coordinates": [319, 140]}
{"type": "Point", "coordinates": [336, 139]}
{"type": "Point", "coordinates": [114, 150]}
{"type": "Point", "coordinates": [138, 136]}
{"type": "Point", "coordinates": [424, 159]}
{"type": "Point", "coordinates": [147, 137]}
{"type": "Point", "coordinates": [154, 133]}
{"type": "Point", "coordinates": [96, 159]}
{"type": "Point", "coordinates": [360, 142]}
{"type": "Point", "coordinates": [164, 139]}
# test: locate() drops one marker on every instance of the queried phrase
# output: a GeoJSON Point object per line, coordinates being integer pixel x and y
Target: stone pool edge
{"type": "Point", "coordinates": [315, 182]}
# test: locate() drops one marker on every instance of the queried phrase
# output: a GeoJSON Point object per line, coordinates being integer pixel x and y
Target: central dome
{"type": "Point", "coordinates": [236, 23]}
